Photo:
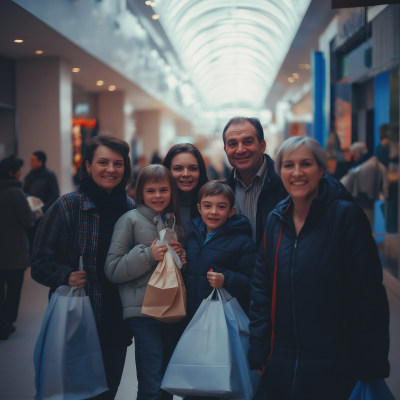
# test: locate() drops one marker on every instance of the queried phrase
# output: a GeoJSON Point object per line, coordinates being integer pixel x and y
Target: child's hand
{"type": "Point", "coordinates": [176, 246]}
{"type": "Point", "coordinates": [216, 279]}
{"type": "Point", "coordinates": [158, 250]}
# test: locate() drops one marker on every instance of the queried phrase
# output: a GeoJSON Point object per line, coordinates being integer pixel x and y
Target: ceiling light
{"type": "Point", "coordinates": [148, 3]}
{"type": "Point", "coordinates": [18, 41]}
{"type": "Point", "coordinates": [307, 66]}
{"type": "Point", "coordinates": [296, 75]}
{"type": "Point", "coordinates": [291, 80]}
{"type": "Point", "coordinates": [76, 69]}
{"type": "Point", "coordinates": [111, 88]}
{"type": "Point", "coordinates": [301, 66]}
{"type": "Point", "coordinates": [153, 3]}
{"type": "Point", "coordinates": [100, 83]}
{"type": "Point", "coordinates": [39, 51]}
{"type": "Point", "coordinates": [155, 16]}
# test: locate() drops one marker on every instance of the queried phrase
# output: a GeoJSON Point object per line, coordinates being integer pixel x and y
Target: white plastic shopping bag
{"type": "Point", "coordinates": [210, 358]}
{"type": "Point", "coordinates": [67, 358]}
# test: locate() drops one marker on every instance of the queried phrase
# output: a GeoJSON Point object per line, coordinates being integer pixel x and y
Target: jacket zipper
{"type": "Point", "coordinates": [294, 322]}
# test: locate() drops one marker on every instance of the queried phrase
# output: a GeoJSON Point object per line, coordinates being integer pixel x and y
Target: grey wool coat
{"type": "Point", "coordinates": [130, 261]}
{"type": "Point", "coordinates": [15, 217]}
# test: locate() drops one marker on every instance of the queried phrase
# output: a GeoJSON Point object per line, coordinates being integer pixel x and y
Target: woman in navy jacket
{"type": "Point", "coordinates": [326, 324]}
{"type": "Point", "coordinates": [230, 251]}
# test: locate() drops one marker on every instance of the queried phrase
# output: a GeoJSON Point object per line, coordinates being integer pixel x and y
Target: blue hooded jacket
{"type": "Point", "coordinates": [332, 313]}
{"type": "Point", "coordinates": [230, 251]}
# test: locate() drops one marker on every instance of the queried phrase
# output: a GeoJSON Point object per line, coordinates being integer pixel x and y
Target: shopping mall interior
{"type": "Point", "coordinates": [160, 73]}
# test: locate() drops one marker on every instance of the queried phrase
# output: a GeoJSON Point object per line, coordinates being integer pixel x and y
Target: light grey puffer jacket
{"type": "Point", "coordinates": [130, 261]}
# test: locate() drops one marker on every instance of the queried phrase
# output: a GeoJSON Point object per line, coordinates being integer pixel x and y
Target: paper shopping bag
{"type": "Point", "coordinates": [165, 297]}
{"type": "Point", "coordinates": [204, 361]}
{"type": "Point", "coordinates": [67, 358]}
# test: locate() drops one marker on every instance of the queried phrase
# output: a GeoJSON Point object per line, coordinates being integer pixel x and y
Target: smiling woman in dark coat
{"type": "Point", "coordinates": [330, 327]}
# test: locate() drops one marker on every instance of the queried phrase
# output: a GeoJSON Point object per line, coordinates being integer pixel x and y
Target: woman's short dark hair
{"type": "Point", "coordinates": [215, 188]}
{"type": "Point", "coordinates": [113, 143]}
{"type": "Point", "coordinates": [189, 148]}
{"type": "Point", "coordinates": [11, 163]}
{"type": "Point", "coordinates": [240, 120]}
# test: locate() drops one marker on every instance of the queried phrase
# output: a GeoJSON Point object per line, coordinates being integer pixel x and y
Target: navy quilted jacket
{"type": "Point", "coordinates": [332, 314]}
{"type": "Point", "coordinates": [230, 251]}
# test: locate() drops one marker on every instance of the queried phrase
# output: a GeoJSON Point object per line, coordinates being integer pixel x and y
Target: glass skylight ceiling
{"type": "Point", "coordinates": [232, 49]}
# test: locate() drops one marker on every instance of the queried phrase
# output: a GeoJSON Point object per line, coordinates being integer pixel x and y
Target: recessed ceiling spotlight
{"type": "Point", "coordinates": [111, 88]}
{"type": "Point", "coordinates": [307, 66]}
{"type": "Point", "coordinates": [18, 41]}
{"type": "Point", "coordinates": [153, 3]}
{"type": "Point", "coordinates": [76, 69]}
{"type": "Point", "coordinates": [301, 66]}
{"type": "Point", "coordinates": [296, 75]}
{"type": "Point", "coordinates": [39, 51]}
{"type": "Point", "coordinates": [100, 83]}
{"type": "Point", "coordinates": [291, 79]}
{"type": "Point", "coordinates": [148, 3]}
{"type": "Point", "coordinates": [155, 16]}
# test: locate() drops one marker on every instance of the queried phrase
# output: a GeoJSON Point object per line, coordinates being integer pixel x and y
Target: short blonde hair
{"type": "Point", "coordinates": [289, 145]}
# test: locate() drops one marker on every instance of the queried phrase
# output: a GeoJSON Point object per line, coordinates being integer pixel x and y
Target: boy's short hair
{"type": "Point", "coordinates": [214, 188]}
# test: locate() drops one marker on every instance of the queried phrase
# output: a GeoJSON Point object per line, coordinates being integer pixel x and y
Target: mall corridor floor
{"type": "Point", "coordinates": [16, 366]}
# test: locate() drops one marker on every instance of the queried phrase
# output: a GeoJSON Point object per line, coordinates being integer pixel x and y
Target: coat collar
{"type": "Point", "coordinates": [84, 200]}
{"type": "Point", "coordinates": [270, 181]}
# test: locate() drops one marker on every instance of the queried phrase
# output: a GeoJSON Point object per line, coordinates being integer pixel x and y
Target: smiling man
{"type": "Point", "coordinates": [258, 188]}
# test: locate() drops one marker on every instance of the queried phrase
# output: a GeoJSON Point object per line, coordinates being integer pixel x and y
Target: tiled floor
{"type": "Point", "coordinates": [16, 367]}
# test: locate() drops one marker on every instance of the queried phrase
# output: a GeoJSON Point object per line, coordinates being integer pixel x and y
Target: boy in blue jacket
{"type": "Point", "coordinates": [220, 251]}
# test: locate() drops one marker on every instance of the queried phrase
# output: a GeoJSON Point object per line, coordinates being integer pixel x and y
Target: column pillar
{"type": "Point", "coordinates": [148, 124]}
{"type": "Point", "coordinates": [111, 113]}
{"type": "Point", "coordinates": [183, 128]}
{"type": "Point", "coordinates": [44, 104]}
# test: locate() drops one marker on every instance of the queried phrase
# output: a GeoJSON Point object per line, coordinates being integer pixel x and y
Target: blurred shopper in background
{"type": "Point", "coordinates": [81, 224]}
{"type": "Point", "coordinates": [15, 217]}
{"type": "Point", "coordinates": [383, 149]}
{"type": "Point", "coordinates": [42, 183]}
{"type": "Point", "coordinates": [367, 180]}
{"type": "Point", "coordinates": [156, 159]}
{"type": "Point", "coordinates": [394, 150]}
{"type": "Point", "coordinates": [320, 276]}
{"type": "Point", "coordinates": [337, 166]}
{"type": "Point", "coordinates": [187, 167]}
{"type": "Point", "coordinates": [140, 163]}
{"type": "Point", "coordinates": [258, 188]}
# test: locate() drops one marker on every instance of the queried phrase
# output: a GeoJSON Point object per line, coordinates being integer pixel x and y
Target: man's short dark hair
{"type": "Point", "coordinates": [41, 156]}
{"type": "Point", "coordinates": [240, 120]}
{"type": "Point", "coordinates": [215, 188]}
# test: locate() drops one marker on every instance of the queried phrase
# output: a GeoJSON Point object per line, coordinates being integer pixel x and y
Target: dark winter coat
{"type": "Point", "coordinates": [230, 251]}
{"type": "Point", "coordinates": [15, 217]}
{"type": "Point", "coordinates": [43, 184]}
{"type": "Point", "coordinates": [271, 194]}
{"type": "Point", "coordinates": [332, 314]}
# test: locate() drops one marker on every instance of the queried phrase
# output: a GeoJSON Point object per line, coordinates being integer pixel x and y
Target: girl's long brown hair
{"type": "Point", "coordinates": [158, 173]}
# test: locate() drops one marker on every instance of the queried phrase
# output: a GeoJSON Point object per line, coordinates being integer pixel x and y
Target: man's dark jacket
{"type": "Point", "coordinates": [271, 194]}
{"type": "Point", "coordinates": [42, 183]}
{"type": "Point", "coordinates": [230, 251]}
{"type": "Point", "coordinates": [332, 313]}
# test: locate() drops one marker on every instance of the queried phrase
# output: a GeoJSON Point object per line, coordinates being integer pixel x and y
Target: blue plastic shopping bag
{"type": "Point", "coordinates": [67, 358]}
{"type": "Point", "coordinates": [374, 390]}
{"type": "Point", "coordinates": [238, 327]}
{"type": "Point", "coordinates": [204, 361]}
